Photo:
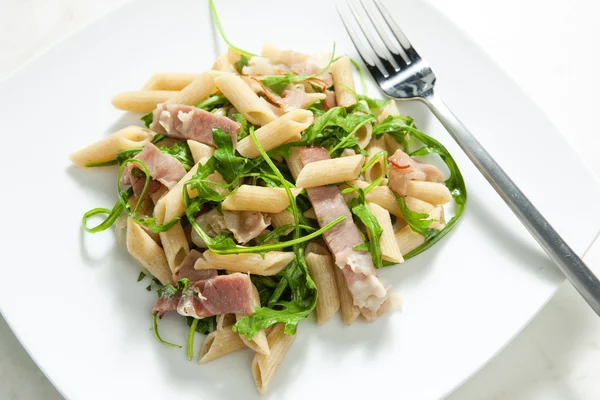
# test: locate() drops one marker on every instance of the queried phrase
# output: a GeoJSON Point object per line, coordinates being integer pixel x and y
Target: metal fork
{"type": "Point", "coordinates": [403, 75]}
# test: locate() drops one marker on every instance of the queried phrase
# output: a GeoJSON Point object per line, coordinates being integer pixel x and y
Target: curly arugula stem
{"type": "Point", "coordinates": [155, 330]}
{"type": "Point", "coordinates": [217, 22]}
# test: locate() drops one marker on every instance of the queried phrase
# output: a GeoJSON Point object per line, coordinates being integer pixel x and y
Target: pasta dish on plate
{"type": "Point", "coordinates": [267, 189]}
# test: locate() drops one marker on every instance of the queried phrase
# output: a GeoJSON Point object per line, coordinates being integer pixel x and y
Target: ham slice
{"type": "Point", "coordinates": [245, 225]}
{"type": "Point", "coordinates": [186, 269]}
{"type": "Point", "coordinates": [187, 122]}
{"type": "Point", "coordinates": [162, 167]}
{"type": "Point", "coordinates": [138, 182]}
{"type": "Point", "coordinates": [367, 290]}
{"type": "Point", "coordinates": [222, 294]}
{"type": "Point", "coordinates": [403, 168]}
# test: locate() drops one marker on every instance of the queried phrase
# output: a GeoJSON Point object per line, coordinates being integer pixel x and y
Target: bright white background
{"type": "Point", "coordinates": [550, 47]}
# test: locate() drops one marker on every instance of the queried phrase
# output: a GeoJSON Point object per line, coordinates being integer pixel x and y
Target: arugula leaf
{"type": "Point", "coordinates": [157, 335]}
{"type": "Point", "coordinates": [334, 130]}
{"type": "Point", "coordinates": [417, 221]}
{"type": "Point", "coordinates": [141, 276]}
{"type": "Point", "coordinates": [226, 162]}
{"type": "Point", "coordinates": [317, 108]}
{"type": "Point", "coordinates": [204, 326]}
{"type": "Point", "coordinates": [217, 22]}
{"type": "Point", "coordinates": [374, 104]}
{"type": "Point", "coordinates": [245, 125]}
{"type": "Point", "coordinates": [181, 152]}
{"type": "Point", "coordinates": [147, 119]}
{"type": "Point", "coordinates": [241, 63]}
{"type": "Point", "coordinates": [213, 101]}
{"type": "Point", "coordinates": [358, 205]}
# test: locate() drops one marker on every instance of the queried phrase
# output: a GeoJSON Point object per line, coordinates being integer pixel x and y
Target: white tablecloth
{"type": "Point", "coordinates": [550, 47]}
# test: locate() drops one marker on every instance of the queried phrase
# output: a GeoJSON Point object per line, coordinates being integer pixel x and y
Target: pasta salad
{"type": "Point", "coordinates": [267, 189]}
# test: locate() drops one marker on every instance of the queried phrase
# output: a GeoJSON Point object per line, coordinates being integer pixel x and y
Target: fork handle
{"type": "Point", "coordinates": [574, 269]}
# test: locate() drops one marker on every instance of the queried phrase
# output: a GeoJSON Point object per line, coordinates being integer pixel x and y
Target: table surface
{"type": "Point", "coordinates": [535, 41]}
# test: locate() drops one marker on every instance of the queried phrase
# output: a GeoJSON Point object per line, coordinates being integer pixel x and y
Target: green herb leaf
{"type": "Point", "coordinates": [181, 152]}
{"type": "Point", "coordinates": [213, 102]}
{"type": "Point", "coordinates": [359, 208]}
{"type": "Point", "coordinates": [240, 64]}
{"type": "Point", "coordinates": [204, 325]}
{"type": "Point", "coordinates": [147, 119]}
{"type": "Point", "coordinates": [141, 276]}
{"type": "Point", "coordinates": [244, 125]}
{"type": "Point", "coordinates": [226, 162]}
{"type": "Point", "coordinates": [156, 334]}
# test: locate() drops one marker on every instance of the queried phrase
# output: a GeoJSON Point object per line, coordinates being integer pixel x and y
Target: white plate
{"type": "Point", "coordinates": [72, 298]}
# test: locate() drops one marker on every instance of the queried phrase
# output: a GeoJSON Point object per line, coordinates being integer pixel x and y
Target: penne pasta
{"type": "Point", "coordinates": [322, 270]}
{"type": "Point", "coordinates": [272, 263]}
{"type": "Point", "coordinates": [199, 89]}
{"type": "Point", "coordinates": [391, 145]}
{"type": "Point", "coordinates": [277, 132]}
{"type": "Point", "coordinates": [169, 81]}
{"type": "Point", "coordinates": [389, 247]}
{"type": "Point", "coordinates": [391, 108]}
{"type": "Point", "coordinates": [364, 135]}
{"type": "Point", "coordinates": [258, 343]}
{"type": "Point", "coordinates": [142, 101]}
{"type": "Point", "coordinates": [252, 107]}
{"type": "Point", "coordinates": [349, 311]}
{"type": "Point", "coordinates": [147, 252]}
{"type": "Point", "coordinates": [222, 64]}
{"type": "Point", "coordinates": [200, 152]}
{"type": "Point", "coordinates": [106, 149]}
{"type": "Point", "coordinates": [430, 192]}
{"type": "Point", "coordinates": [283, 218]}
{"type": "Point", "coordinates": [175, 245]}
{"type": "Point", "coordinates": [343, 82]}
{"type": "Point", "coordinates": [258, 198]}
{"type": "Point", "coordinates": [219, 343]}
{"type": "Point", "coordinates": [326, 172]}
{"type": "Point", "coordinates": [377, 169]}
{"type": "Point", "coordinates": [408, 240]}
{"type": "Point", "coordinates": [264, 367]}
{"type": "Point", "coordinates": [294, 163]}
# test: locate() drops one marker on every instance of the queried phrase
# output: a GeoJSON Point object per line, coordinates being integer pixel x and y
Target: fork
{"type": "Point", "coordinates": [403, 75]}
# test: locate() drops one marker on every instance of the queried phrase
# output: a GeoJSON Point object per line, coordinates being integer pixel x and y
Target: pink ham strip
{"type": "Point", "coordinates": [357, 266]}
{"type": "Point", "coordinates": [162, 167]}
{"type": "Point", "coordinates": [222, 294]}
{"type": "Point", "coordinates": [187, 122]}
{"type": "Point", "coordinates": [186, 269]}
{"type": "Point", "coordinates": [137, 183]}
{"type": "Point", "coordinates": [403, 168]}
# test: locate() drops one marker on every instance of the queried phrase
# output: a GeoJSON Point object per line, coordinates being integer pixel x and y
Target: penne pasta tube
{"type": "Point", "coordinates": [147, 252]}
{"type": "Point", "coordinates": [408, 240]}
{"type": "Point", "coordinates": [264, 367]}
{"type": "Point", "coordinates": [322, 270]}
{"type": "Point", "coordinates": [106, 149]}
{"type": "Point", "coordinates": [252, 107]}
{"type": "Point", "coordinates": [258, 198]}
{"type": "Point", "coordinates": [219, 343]}
{"type": "Point", "coordinates": [385, 197]}
{"type": "Point", "coordinates": [326, 172]}
{"type": "Point", "coordinates": [200, 152]}
{"type": "Point", "coordinates": [156, 196]}
{"type": "Point", "coordinates": [283, 218]}
{"type": "Point", "coordinates": [175, 245]}
{"type": "Point", "coordinates": [222, 64]}
{"type": "Point", "coordinates": [272, 263]}
{"type": "Point", "coordinates": [377, 169]}
{"type": "Point", "coordinates": [391, 145]}
{"type": "Point", "coordinates": [430, 192]}
{"type": "Point", "coordinates": [142, 101]}
{"type": "Point", "coordinates": [391, 108]}
{"type": "Point", "coordinates": [343, 82]}
{"type": "Point", "coordinates": [258, 343]}
{"type": "Point", "coordinates": [349, 311]}
{"type": "Point", "coordinates": [364, 135]}
{"type": "Point", "coordinates": [279, 131]}
{"type": "Point", "coordinates": [169, 81]}
{"type": "Point", "coordinates": [199, 89]}
{"type": "Point", "coordinates": [294, 162]}
{"type": "Point", "coordinates": [389, 247]}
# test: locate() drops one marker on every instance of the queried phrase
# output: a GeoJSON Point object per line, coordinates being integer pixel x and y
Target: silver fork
{"type": "Point", "coordinates": [403, 75]}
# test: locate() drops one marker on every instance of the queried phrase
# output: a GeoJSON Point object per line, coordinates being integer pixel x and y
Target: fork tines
{"type": "Point", "coordinates": [377, 38]}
